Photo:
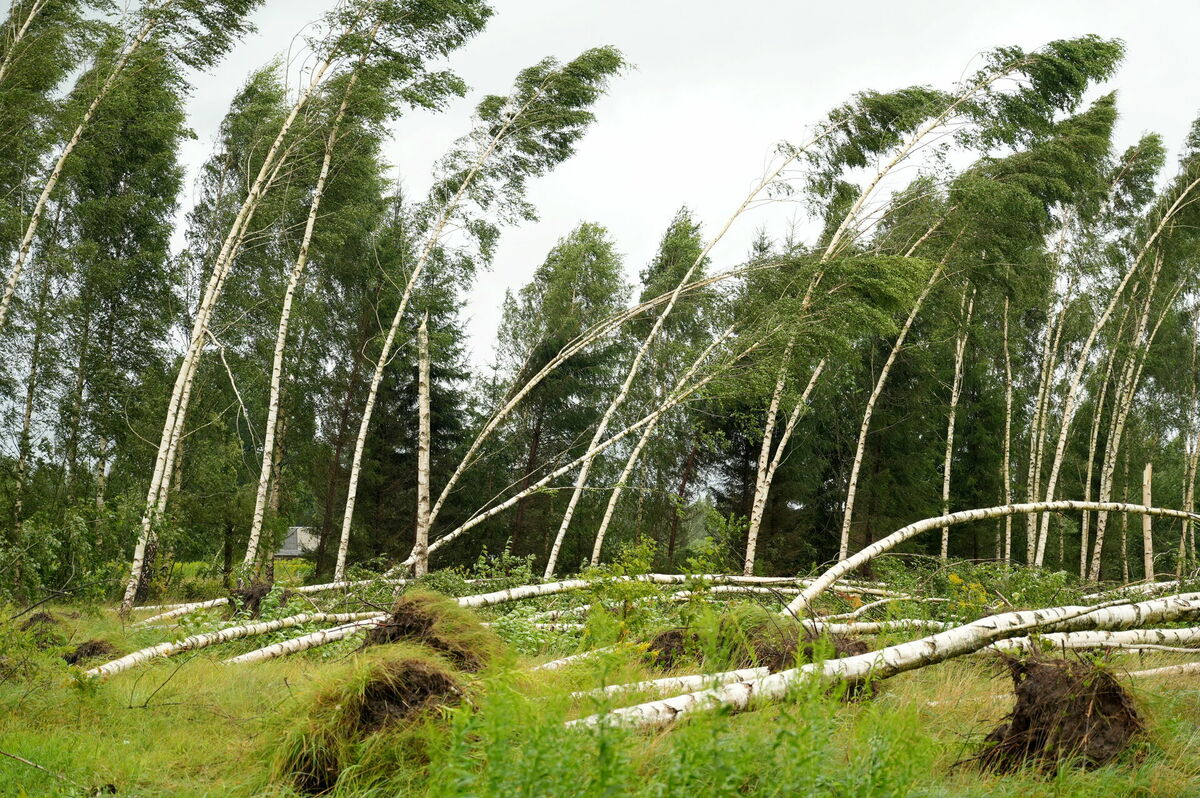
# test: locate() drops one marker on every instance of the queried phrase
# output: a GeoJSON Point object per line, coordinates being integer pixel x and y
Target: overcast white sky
{"type": "Point", "coordinates": [716, 84]}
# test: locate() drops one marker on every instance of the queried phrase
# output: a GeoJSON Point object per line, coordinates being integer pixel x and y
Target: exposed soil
{"type": "Point", "coordinates": [91, 650]}
{"type": "Point", "coordinates": [1066, 710]}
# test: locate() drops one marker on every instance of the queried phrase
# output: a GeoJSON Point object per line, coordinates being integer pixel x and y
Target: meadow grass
{"type": "Point", "coordinates": [190, 726]}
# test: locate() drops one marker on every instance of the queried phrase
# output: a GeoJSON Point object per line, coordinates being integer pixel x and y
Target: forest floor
{"type": "Point", "coordinates": [190, 726]}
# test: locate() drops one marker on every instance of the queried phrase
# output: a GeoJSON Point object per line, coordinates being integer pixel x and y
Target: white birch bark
{"type": "Point", "coordinates": [899, 658]}
{"type": "Point", "coordinates": [1097, 414]}
{"type": "Point", "coordinates": [1073, 641]}
{"type": "Point", "coordinates": [1191, 455]}
{"type": "Point", "coordinates": [309, 641]}
{"type": "Point", "coordinates": [818, 586]}
{"type": "Point", "coordinates": [483, 514]}
{"type": "Point", "coordinates": [864, 427]}
{"type": "Point", "coordinates": [265, 470]}
{"type": "Point", "coordinates": [179, 611]}
{"type": "Point", "coordinates": [18, 36]}
{"type": "Point", "coordinates": [635, 365]}
{"type": "Point", "coordinates": [389, 340]}
{"type": "Point", "coordinates": [1069, 403]}
{"type": "Point", "coordinates": [627, 472]}
{"type": "Point", "coordinates": [421, 545]}
{"type": "Point", "coordinates": [673, 683]}
{"type": "Point", "coordinates": [1132, 375]}
{"type": "Point", "coordinates": [768, 476]}
{"type": "Point", "coordinates": [1006, 456]}
{"type": "Point", "coordinates": [1147, 527]}
{"type": "Point", "coordinates": [603, 328]}
{"type": "Point", "coordinates": [213, 638]}
{"type": "Point", "coordinates": [39, 208]}
{"type": "Point", "coordinates": [960, 348]}
{"type": "Point", "coordinates": [181, 392]}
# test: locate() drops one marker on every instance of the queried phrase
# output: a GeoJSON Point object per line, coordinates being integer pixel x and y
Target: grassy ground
{"type": "Point", "coordinates": [192, 727]}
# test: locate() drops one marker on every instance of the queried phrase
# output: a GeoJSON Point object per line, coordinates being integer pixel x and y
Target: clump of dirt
{"type": "Point", "coordinates": [249, 597]}
{"type": "Point", "coordinates": [745, 638]}
{"type": "Point", "coordinates": [45, 630]}
{"type": "Point", "coordinates": [1066, 710]}
{"type": "Point", "coordinates": [429, 618]}
{"type": "Point", "coordinates": [382, 695]}
{"type": "Point", "coordinates": [90, 650]}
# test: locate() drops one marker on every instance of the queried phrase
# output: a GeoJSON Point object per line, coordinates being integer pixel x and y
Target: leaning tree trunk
{"type": "Point", "coordinates": [960, 349]}
{"type": "Point", "coordinates": [631, 462]}
{"type": "Point", "coordinates": [181, 392]}
{"type": "Point", "coordinates": [434, 237]}
{"type": "Point", "coordinates": [803, 602]}
{"type": "Point", "coordinates": [39, 207]}
{"type": "Point", "coordinates": [1068, 411]}
{"type": "Point", "coordinates": [1192, 456]}
{"type": "Point", "coordinates": [1097, 414]}
{"type": "Point", "coordinates": [880, 381]}
{"type": "Point", "coordinates": [264, 473]}
{"type": "Point", "coordinates": [762, 489]}
{"type": "Point", "coordinates": [1131, 376]}
{"type": "Point", "coordinates": [10, 46]}
{"type": "Point", "coordinates": [635, 365]}
{"type": "Point", "coordinates": [1041, 416]}
{"type": "Point", "coordinates": [483, 514]}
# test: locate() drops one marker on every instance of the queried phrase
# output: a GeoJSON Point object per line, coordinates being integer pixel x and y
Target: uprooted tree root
{"type": "Point", "coordinates": [431, 619]}
{"type": "Point", "coordinates": [743, 638]}
{"type": "Point", "coordinates": [1066, 711]}
{"type": "Point", "coordinates": [249, 597]}
{"type": "Point", "coordinates": [90, 650]}
{"type": "Point", "coordinates": [382, 698]}
{"type": "Point", "coordinates": [45, 630]}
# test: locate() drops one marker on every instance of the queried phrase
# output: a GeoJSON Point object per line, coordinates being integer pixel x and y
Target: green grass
{"type": "Point", "coordinates": [192, 727]}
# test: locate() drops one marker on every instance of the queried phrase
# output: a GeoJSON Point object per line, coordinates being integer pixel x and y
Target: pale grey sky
{"type": "Point", "coordinates": [716, 84]}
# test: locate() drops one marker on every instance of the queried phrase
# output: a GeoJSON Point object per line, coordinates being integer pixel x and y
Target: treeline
{"type": "Point", "coordinates": [999, 305]}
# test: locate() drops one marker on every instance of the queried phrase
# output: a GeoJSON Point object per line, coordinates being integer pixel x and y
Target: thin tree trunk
{"type": "Point", "coordinates": [18, 36]}
{"type": "Point", "coordinates": [1041, 418]}
{"type": "Point", "coordinates": [1068, 411]}
{"type": "Point", "coordinates": [626, 473]}
{"type": "Point", "coordinates": [264, 472]}
{"type": "Point", "coordinates": [960, 349]}
{"type": "Point", "coordinates": [1147, 526]}
{"type": "Point", "coordinates": [1006, 458]}
{"type": "Point", "coordinates": [764, 486]}
{"type": "Point", "coordinates": [35, 217]}
{"type": "Point", "coordinates": [1192, 455]}
{"type": "Point", "coordinates": [1097, 414]}
{"type": "Point", "coordinates": [1131, 375]}
{"type": "Point", "coordinates": [635, 367]}
{"type": "Point", "coordinates": [421, 546]}
{"type": "Point", "coordinates": [435, 235]}
{"type": "Point", "coordinates": [181, 392]}
{"type": "Point", "coordinates": [876, 392]}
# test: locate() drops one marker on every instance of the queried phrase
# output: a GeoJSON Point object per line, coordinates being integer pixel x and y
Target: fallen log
{"type": "Point", "coordinates": [902, 657]}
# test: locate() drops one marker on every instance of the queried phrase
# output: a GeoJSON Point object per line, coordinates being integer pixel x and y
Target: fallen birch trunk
{"type": "Point", "coordinates": [176, 610]}
{"type": "Point", "coordinates": [558, 664]}
{"type": "Point", "coordinates": [804, 601]}
{"type": "Point", "coordinates": [1163, 638]}
{"type": "Point", "coordinates": [903, 657]}
{"type": "Point", "coordinates": [305, 642]}
{"type": "Point", "coordinates": [212, 638]}
{"type": "Point", "coordinates": [1186, 669]}
{"type": "Point", "coordinates": [697, 681]}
